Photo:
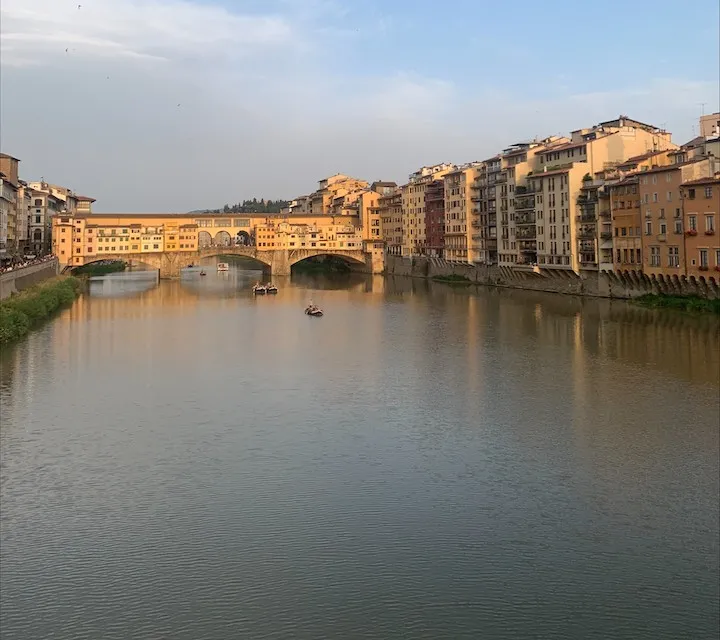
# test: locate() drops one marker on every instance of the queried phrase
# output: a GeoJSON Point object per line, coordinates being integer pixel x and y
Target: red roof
{"type": "Point", "coordinates": [701, 181]}
{"type": "Point", "coordinates": [84, 199]}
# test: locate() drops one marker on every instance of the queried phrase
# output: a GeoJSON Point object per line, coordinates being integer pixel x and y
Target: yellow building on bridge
{"type": "Point", "coordinates": [170, 241]}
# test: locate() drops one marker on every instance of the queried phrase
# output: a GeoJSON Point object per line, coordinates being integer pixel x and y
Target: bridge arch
{"type": "Point", "coordinates": [223, 239]}
{"type": "Point", "coordinates": [243, 239]}
{"type": "Point", "coordinates": [204, 239]}
{"type": "Point", "coordinates": [349, 257]}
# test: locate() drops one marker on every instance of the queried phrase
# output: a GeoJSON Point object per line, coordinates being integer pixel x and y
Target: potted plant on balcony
{"type": "Point", "coordinates": [703, 268]}
{"type": "Point", "coordinates": [691, 232]}
{"type": "Point", "coordinates": [710, 232]}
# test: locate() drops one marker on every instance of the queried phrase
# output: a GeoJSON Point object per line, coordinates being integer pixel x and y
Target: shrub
{"type": "Point", "coordinates": [20, 313]}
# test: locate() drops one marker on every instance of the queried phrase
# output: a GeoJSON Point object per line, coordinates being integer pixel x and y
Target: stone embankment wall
{"type": "Point", "coordinates": [15, 281]}
{"type": "Point", "coordinates": [603, 284]}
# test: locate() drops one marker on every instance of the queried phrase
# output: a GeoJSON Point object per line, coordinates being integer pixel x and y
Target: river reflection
{"type": "Point", "coordinates": [182, 459]}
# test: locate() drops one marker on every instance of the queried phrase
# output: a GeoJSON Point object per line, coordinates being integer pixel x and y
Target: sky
{"type": "Point", "coordinates": [176, 105]}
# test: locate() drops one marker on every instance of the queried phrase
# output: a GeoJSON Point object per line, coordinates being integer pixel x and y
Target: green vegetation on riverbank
{"type": "Point", "coordinates": [682, 303]}
{"type": "Point", "coordinates": [24, 311]}
{"type": "Point", "coordinates": [453, 278]}
{"type": "Point", "coordinates": [99, 269]}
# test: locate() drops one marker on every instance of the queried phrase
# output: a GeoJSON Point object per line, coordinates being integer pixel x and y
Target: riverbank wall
{"type": "Point", "coordinates": [20, 279]}
{"type": "Point", "coordinates": [601, 284]}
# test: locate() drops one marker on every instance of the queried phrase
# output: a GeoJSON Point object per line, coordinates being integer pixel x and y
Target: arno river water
{"type": "Point", "coordinates": [181, 460]}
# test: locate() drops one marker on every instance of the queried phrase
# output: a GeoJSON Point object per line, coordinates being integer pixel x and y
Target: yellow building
{"type": "Point", "coordinates": [413, 207]}
{"type": "Point", "coordinates": [458, 190]}
{"type": "Point", "coordinates": [564, 213]}
{"type": "Point", "coordinates": [333, 193]}
{"type": "Point", "coordinates": [390, 211]}
{"type": "Point", "coordinates": [81, 238]}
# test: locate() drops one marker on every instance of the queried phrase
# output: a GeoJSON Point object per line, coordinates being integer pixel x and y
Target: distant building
{"type": "Point", "coordinates": [413, 207]}
{"type": "Point", "coordinates": [435, 218]}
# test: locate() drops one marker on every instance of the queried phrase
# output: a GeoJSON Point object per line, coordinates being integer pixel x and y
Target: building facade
{"type": "Point", "coordinates": [665, 224]}
{"type": "Point", "coordinates": [9, 186]}
{"type": "Point", "coordinates": [414, 240]}
{"type": "Point", "coordinates": [435, 218]}
{"type": "Point", "coordinates": [566, 214]}
{"type": "Point", "coordinates": [390, 212]}
{"type": "Point", "coordinates": [701, 208]}
{"type": "Point", "coordinates": [459, 192]}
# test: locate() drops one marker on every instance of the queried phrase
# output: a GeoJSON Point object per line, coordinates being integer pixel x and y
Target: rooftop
{"type": "Point", "coordinates": [702, 181]}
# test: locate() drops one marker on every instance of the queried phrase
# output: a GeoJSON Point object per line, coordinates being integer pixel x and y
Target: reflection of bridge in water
{"type": "Point", "coordinates": [277, 261]}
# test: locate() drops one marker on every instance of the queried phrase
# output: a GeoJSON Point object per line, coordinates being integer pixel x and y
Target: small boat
{"type": "Point", "coordinates": [312, 310]}
{"type": "Point", "coordinates": [271, 288]}
{"type": "Point", "coordinates": [259, 289]}
{"type": "Point", "coordinates": [202, 273]}
{"type": "Point", "coordinates": [223, 266]}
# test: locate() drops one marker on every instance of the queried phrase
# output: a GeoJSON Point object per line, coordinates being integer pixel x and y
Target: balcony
{"type": "Point", "coordinates": [524, 203]}
{"type": "Point", "coordinates": [587, 217]}
{"type": "Point", "coordinates": [605, 214]}
{"type": "Point", "coordinates": [475, 224]}
{"type": "Point", "coordinates": [606, 235]}
{"type": "Point", "coordinates": [524, 219]}
{"type": "Point", "coordinates": [526, 233]}
{"type": "Point", "coordinates": [501, 178]}
{"type": "Point", "coordinates": [492, 221]}
{"type": "Point", "coordinates": [592, 184]}
{"type": "Point", "coordinates": [586, 234]}
{"type": "Point", "coordinates": [491, 244]}
{"type": "Point", "coordinates": [662, 237]}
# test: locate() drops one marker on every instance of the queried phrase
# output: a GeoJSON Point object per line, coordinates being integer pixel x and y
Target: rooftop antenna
{"type": "Point", "coordinates": [702, 108]}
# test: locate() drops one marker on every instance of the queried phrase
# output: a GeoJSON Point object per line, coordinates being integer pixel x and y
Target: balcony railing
{"type": "Point", "coordinates": [492, 221]}
{"type": "Point", "coordinates": [524, 219]}
{"type": "Point", "coordinates": [524, 203]}
{"type": "Point", "coordinates": [586, 234]}
{"type": "Point", "coordinates": [476, 224]}
{"type": "Point", "coordinates": [526, 233]}
{"type": "Point", "coordinates": [606, 235]}
{"type": "Point", "coordinates": [587, 217]}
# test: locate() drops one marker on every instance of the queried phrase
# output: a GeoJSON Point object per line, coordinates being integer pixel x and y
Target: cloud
{"type": "Point", "coordinates": [39, 30]}
{"type": "Point", "coordinates": [270, 99]}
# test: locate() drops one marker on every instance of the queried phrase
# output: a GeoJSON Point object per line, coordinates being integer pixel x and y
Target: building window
{"type": "Point", "coordinates": [38, 220]}
{"type": "Point", "coordinates": [710, 224]}
{"type": "Point", "coordinates": [654, 256]}
{"type": "Point", "coordinates": [618, 256]}
{"type": "Point", "coordinates": [692, 223]}
{"type": "Point", "coordinates": [708, 192]}
{"type": "Point", "coordinates": [703, 258]}
{"type": "Point", "coordinates": [669, 196]}
{"type": "Point", "coordinates": [663, 229]}
{"type": "Point", "coordinates": [678, 226]}
{"type": "Point", "coordinates": [648, 228]}
{"type": "Point", "coordinates": [624, 231]}
{"type": "Point", "coordinates": [673, 257]}
{"type": "Point", "coordinates": [717, 257]}
{"type": "Point", "coordinates": [691, 194]}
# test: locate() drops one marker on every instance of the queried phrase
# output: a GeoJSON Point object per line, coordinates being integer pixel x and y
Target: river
{"type": "Point", "coordinates": [182, 460]}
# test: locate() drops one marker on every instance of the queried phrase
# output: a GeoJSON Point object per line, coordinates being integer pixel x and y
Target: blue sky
{"type": "Point", "coordinates": [275, 94]}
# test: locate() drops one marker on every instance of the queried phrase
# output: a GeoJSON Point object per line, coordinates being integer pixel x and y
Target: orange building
{"type": "Point", "coordinates": [701, 205]}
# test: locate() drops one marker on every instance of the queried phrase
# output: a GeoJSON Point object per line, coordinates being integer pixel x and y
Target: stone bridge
{"type": "Point", "coordinates": [277, 261]}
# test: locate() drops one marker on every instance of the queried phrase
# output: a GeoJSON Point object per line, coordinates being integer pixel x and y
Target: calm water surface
{"type": "Point", "coordinates": [181, 460]}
